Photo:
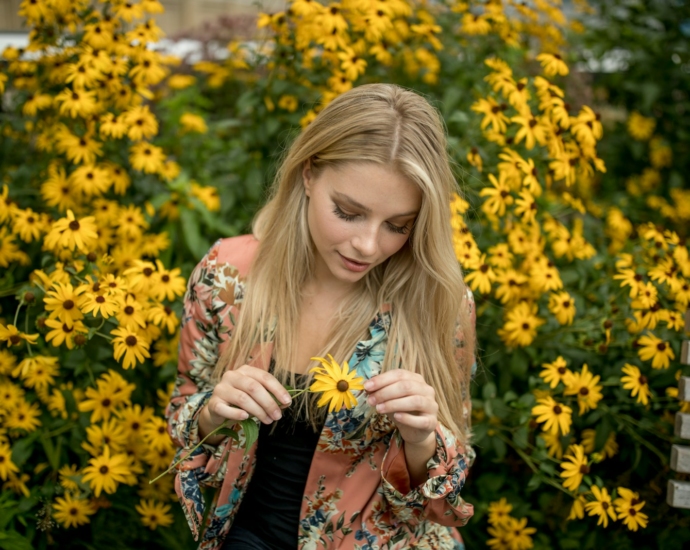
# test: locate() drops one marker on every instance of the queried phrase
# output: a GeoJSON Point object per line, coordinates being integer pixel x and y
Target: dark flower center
{"type": "Point", "coordinates": [343, 385]}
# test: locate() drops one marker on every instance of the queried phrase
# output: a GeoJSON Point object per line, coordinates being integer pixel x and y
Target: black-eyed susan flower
{"type": "Point", "coordinates": [481, 275]}
{"type": "Point", "coordinates": [7, 467]}
{"type": "Point", "coordinates": [553, 444]}
{"type": "Point", "coordinates": [29, 225]}
{"type": "Point", "coordinates": [577, 510]}
{"type": "Point", "coordinates": [132, 314]}
{"type": "Point", "coordinates": [656, 350]}
{"type": "Point", "coordinates": [70, 232]}
{"type": "Point", "coordinates": [146, 157]}
{"type": "Point", "coordinates": [562, 305]}
{"type": "Point", "coordinates": [628, 506]}
{"type": "Point", "coordinates": [585, 386]}
{"type": "Point", "coordinates": [163, 316]}
{"type": "Point", "coordinates": [575, 466]}
{"type": "Point", "coordinates": [640, 127]}
{"type": "Point", "coordinates": [610, 448]}
{"type": "Point", "coordinates": [154, 514]}
{"type": "Point", "coordinates": [23, 416]}
{"type": "Point", "coordinates": [76, 103]}
{"type": "Point", "coordinates": [336, 382]}
{"type": "Point", "coordinates": [520, 328]}
{"type": "Point", "coordinates": [601, 506]}
{"type": "Point", "coordinates": [511, 285]}
{"type": "Point", "coordinates": [555, 372]}
{"type": "Point", "coordinates": [63, 301]}
{"type": "Point", "coordinates": [498, 196]}
{"type": "Point", "coordinates": [101, 305]}
{"type": "Point", "coordinates": [13, 336]}
{"type": "Point", "coordinates": [71, 511]}
{"type": "Point", "coordinates": [141, 122]}
{"type": "Point", "coordinates": [636, 382]}
{"type": "Point", "coordinates": [168, 283]}
{"type": "Point", "coordinates": [106, 471]}
{"type": "Point", "coordinates": [499, 511]}
{"type": "Point", "coordinates": [194, 123]}
{"type": "Point", "coordinates": [38, 371]}
{"type": "Point", "coordinates": [555, 416]}
{"type": "Point", "coordinates": [553, 64]}
{"type": "Point", "coordinates": [129, 345]}
{"type": "Point", "coordinates": [110, 432]}
{"type": "Point", "coordinates": [63, 333]}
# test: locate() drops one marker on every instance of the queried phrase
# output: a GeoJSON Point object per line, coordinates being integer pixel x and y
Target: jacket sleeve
{"type": "Point", "coordinates": [437, 499]}
{"type": "Point", "coordinates": [198, 353]}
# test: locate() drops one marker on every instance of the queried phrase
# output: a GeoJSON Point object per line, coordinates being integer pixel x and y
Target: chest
{"type": "Point", "coordinates": [312, 335]}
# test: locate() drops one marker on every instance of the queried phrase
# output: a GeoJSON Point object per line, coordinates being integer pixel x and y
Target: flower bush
{"type": "Point", "coordinates": [121, 165]}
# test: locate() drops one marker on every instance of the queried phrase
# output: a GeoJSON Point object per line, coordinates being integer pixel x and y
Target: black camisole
{"type": "Point", "coordinates": [271, 506]}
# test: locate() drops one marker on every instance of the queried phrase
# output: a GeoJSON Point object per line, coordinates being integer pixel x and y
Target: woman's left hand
{"type": "Point", "coordinates": [408, 399]}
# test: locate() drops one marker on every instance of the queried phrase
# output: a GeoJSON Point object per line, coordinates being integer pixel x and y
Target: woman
{"type": "Point", "coordinates": [351, 256]}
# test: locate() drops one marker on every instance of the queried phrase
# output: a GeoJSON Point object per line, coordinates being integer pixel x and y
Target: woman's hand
{"type": "Point", "coordinates": [243, 392]}
{"type": "Point", "coordinates": [409, 400]}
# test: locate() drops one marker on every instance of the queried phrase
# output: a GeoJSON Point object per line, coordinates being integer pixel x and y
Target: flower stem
{"type": "Point", "coordinates": [174, 464]}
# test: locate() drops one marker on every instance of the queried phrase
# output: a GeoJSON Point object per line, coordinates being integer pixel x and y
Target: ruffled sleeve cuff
{"type": "Point", "coordinates": [438, 498]}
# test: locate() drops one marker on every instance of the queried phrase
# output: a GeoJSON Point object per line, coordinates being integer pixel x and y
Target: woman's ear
{"type": "Point", "coordinates": [307, 177]}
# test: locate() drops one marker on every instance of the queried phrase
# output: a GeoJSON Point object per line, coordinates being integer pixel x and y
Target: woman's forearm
{"type": "Point", "coordinates": [416, 456]}
{"type": "Point", "coordinates": [206, 426]}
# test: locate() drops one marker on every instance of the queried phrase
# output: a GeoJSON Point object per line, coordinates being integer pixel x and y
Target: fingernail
{"type": "Point", "coordinates": [379, 407]}
{"type": "Point", "coordinates": [368, 385]}
{"type": "Point", "coordinates": [276, 415]}
{"type": "Point", "coordinates": [286, 399]}
{"type": "Point", "coordinates": [371, 401]}
{"type": "Point", "coordinates": [244, 416]}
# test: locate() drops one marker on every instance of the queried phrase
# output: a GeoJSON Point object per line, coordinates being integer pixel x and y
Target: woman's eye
{"type": "Point", "coordinates": [351, 217]}
{"type": "Point", "coordinates": [398, 229]}
{"type": "Point", "coordinates": [338, 212]}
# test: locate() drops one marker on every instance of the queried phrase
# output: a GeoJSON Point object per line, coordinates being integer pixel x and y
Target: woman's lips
{"type": "Point", "coordinates": [353, 265]}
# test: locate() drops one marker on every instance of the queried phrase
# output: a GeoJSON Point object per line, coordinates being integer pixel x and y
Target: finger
{"type": "Point", "coordinates": [225, 411]}
{"type": "Point", "coordinates": [424, 422]}
{"type": "Point", "coordinates": [390, 377]}
{"type": "Point", "coordinates": [245, 398]}
{"type": "Point", "coordinates": [415, 404]}
{"type": "Point", "coordinates": [401, 388]}
{"type": "Point", "coordinates": [271, 383]}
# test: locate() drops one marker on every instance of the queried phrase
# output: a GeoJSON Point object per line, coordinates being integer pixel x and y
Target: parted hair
{"type": "Point", "coordinates": [390, 126]}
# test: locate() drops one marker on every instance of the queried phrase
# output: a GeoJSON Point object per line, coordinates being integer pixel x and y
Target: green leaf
{"type": "Point", "coordinates": [534, 482]}
{"type": "Point", "coordinates": [22, 449]}
{"type": "Point", "coordinates": [11, 540]}
{"type": "Point", "coordinates": [251, 433]}
{"type": "Point", "coordinates": [197, 244]}
{"type": "Point", "coordinates": [489, 390]}
{"type": "Point", "coordinates": [520, 437]}
{"type": "Point", "coordinates": [500, 447]}
{"type": "Point", "coordinates": [229, 433]}
{"type": "Point", "coordinates": [52, 453]}
{"type": "Point", "coordinates": [603, 429]}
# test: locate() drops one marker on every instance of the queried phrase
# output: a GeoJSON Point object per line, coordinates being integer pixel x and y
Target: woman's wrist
{"type": "Point", "coordinates": [416, 456]}
{"type": "Point", "coordinates": [206, 426]}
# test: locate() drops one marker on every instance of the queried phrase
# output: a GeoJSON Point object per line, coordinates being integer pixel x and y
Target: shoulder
{"type": "Point", "coordinates": [238, 252]}
{"type": "Point", "coordinates": [219, 274]}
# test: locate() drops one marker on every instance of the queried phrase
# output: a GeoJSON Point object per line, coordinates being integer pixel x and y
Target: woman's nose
{"type": "Point", "coordinates": [366, 243]}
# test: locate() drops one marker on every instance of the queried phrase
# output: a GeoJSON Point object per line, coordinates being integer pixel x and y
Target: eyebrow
{"type": "Point", "coordinates": [356, 204]}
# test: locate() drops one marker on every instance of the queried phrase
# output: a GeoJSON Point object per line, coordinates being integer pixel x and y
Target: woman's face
{"type": "Point", "coordinates": [359, 215]}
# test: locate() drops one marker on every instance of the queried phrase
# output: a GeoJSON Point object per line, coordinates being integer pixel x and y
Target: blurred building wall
{"type": "Point", "coordinates": [180, 15]}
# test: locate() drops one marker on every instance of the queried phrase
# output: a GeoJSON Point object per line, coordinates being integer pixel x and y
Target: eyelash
{"type": "Point", "coordinates": [350, 217]}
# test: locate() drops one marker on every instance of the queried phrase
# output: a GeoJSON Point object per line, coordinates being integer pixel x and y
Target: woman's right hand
{"type": "Point", "coordinates": [243, 392]}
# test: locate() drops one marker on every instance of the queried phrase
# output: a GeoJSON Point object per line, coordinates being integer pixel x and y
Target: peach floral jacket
{"type": "Point", "coordinates": [358, 493]}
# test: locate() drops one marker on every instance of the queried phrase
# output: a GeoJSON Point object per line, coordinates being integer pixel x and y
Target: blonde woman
{"type": "Point", "coordinates": [351, 256]}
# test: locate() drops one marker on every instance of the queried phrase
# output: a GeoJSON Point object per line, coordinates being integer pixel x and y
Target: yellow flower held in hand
{"type": "Point", "coordinates": [336, 382]}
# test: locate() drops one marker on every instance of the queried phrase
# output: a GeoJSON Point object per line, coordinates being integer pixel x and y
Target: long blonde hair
{"type": "Point", "coordinates": [422, 282]}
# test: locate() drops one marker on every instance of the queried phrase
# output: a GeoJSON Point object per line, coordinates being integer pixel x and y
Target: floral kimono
{"type": "Point", "coordinates": [358, 493]}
